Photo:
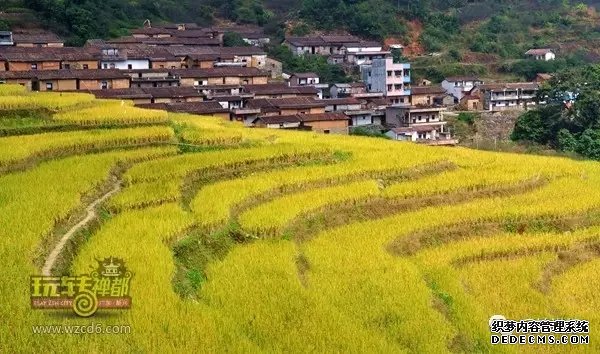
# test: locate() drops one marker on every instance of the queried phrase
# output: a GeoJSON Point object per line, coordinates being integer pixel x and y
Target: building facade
{"type": "Point", "coordinates": [390, 78]}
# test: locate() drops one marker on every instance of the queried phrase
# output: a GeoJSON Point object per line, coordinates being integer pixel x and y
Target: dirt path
{"type": "Point", "coordinates": [91, 214]}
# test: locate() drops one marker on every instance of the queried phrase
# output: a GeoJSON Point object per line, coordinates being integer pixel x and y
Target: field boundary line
{"type": "Point", "coordinates": [90, 215]}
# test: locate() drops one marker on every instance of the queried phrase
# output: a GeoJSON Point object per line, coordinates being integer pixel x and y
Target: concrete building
{"type": "Point", "coordinates": [508, 96]}
{"type": "Point", "coordinates": [390, 78]}
{"type": "Point", "coordinates": [411, 123]}
{"type": "Point", "coordinates": [458, 86]}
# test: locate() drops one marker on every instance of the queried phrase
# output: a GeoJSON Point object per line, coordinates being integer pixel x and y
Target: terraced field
{"type": "Point", "coordinates": [247, 240]}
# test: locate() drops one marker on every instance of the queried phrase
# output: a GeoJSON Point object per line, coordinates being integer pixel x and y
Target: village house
{"type": "Point", "coordinates": [36, 39]}
{"type": "Point", "coordinates": [134, 57]}
{"type": "Point", "coordinates": [507, 96]}
{"type": "Point", "coordinates": [346, 47]}
{"type": "Point", "coordinates": [23, 78]}
{"type": "Point", "coordinates": [67, 79]}
{"type": "Point", "coordinates": [233, 102]}
{"type": "Point", "coordinates": [220, 90]}
{"type": "Point", "coordinates": [221, 76]}
{"type": "Point", "coordinates": [470, 102]}
{"type": "Point", "coordinates": [251, 34]}
{"type": "Point", "coordinates": [209, 57]}
{"type": "Point", "coordinates": [47, 58]}
{"type": "Point", "coordinates": [544, 54]}
{"type": "Point", "coordinates": [429, 96]}
{"type": "Point", "coordinates": [309, 79]}
{"type": "Point", "coordinates": [149, 78]}
{"type": "Point", "coordinates": [179, 94]}
{"type": "Point", "coordinates": [347, 89]}
{"type": "Point", "coordinates": [152, 95]}
{"type": "Point", "coordinates": [364, 53]}
{"type": "Point", "coordinates": [390, 78]}
{"type": "Point", "coordinates": [167, 41]}
{"type": "Point", "coordinates": [152, 32]}
{"type": "Point", "coordinates": [326, 123]}
{"type": "Point", "coordinates": [354, 109]}
{"type": "Point", "coordinates": [458, 86]}
{"type": "Point", "coordinates": [342, 104]}
{"type": "Point", "coordinates": [412, 123]}
{"type": "Point", "coordinates": [287, 106]}
{"type": "Point", "coordinates": [304, 79]}
{"type": "Point", "coordinates": [275, 67]}
{"type": "Point", "coordinates": [207, 108]}
{"type": "Point", "coordinates": [281, 90]}
{"type": "Point", "coordinates": [135, 94]}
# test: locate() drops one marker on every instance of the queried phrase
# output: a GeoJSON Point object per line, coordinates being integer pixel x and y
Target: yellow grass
{"type": "Point", "coordinates": [346, 289]}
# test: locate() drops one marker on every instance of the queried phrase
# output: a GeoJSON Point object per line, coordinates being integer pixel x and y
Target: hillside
{"type": "Point", "coordinates": [486, 38]}
{"type": "Point", "coordinates": [248, 240]}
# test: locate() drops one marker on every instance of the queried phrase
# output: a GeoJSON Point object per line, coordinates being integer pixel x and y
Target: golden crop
{"type": "Point", "coordinates": [421, 278]}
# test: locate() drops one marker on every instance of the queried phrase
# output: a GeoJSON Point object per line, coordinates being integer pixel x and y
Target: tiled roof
{"type": "Point", "coordinates": [31, 54]}
{"type": "Point", "coordinates": [297, 118]}
{"type": "Point", "coordinates": [85, 74]}
{"type": "Point", "coordinates": [149, 92]}
{"type": "Point", "coordinates": [207, 107]}
{"type": "Point", "coordinates": [35, 37]}
{"type": "Point", "coordinates": [219, 72]}
{"type": "Point", "coordinates": [307, 75]}
{"type": "Point", "coordinates": [425, 90]}
{"type": "Point", "coordinates": [341, 101]}
{"type": "Point", "coordinates": [510, 86]}
{"type": "Point", "coordinates": [541, 51]}
{"type": "Point", "coordinates": [126, 94]}
{"type": "Point", "coordinates": [278, 89]}
{"type": "Point", "coordinates": [291, 102]}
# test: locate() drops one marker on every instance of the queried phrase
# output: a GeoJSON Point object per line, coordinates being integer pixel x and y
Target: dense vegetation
{"type": "Point", "coordinates": [571, 119]}
{"type": "Point", "coordinates": [501, 29]}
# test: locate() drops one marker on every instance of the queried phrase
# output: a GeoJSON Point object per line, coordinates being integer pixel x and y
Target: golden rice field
{"type": "Point", "coordinates": [246, 240]}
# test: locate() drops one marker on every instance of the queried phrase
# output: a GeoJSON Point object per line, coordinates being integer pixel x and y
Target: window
{"type": "Point", "coordinates": [162, 66]}
{"type": "Point", "coordinates": [85, 66]}
{"type": "Point", "coordinates": [49, 86]}
{"type": "Point", "coordinates": [389, 87]}
{"type": "Point", "coordinates": [104, 85]}
{"type": "Point", "coordinates": [112, 65]}
{"type": "Point", "coordinates": [34, 66]}
{"type": "Point", "coordinates": [389, 73]}
{"type": "Point", "coordinates": [129, 66]}
{"type": "Point", "coordinates": [66, 66]}
{"type": "Point", "coordinates": [397, 87]}
{"type": "Point", "coordinates": [105, 66]}
{"type": "Point", "coordinates": [398, 73]}
{"type": "Point", "coordinates": [326, 131]}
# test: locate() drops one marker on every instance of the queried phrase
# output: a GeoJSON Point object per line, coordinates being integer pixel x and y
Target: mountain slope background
{"type": "Point", "coordinates": [442, 37]}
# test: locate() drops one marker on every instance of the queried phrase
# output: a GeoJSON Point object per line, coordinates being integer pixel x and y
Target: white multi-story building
{"type": "Point", "coordinates": [459, 86]}
{"type": "Point", "coordinates": [505, 96]}
{"type": "Point", "coordinates": [390, 78]}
